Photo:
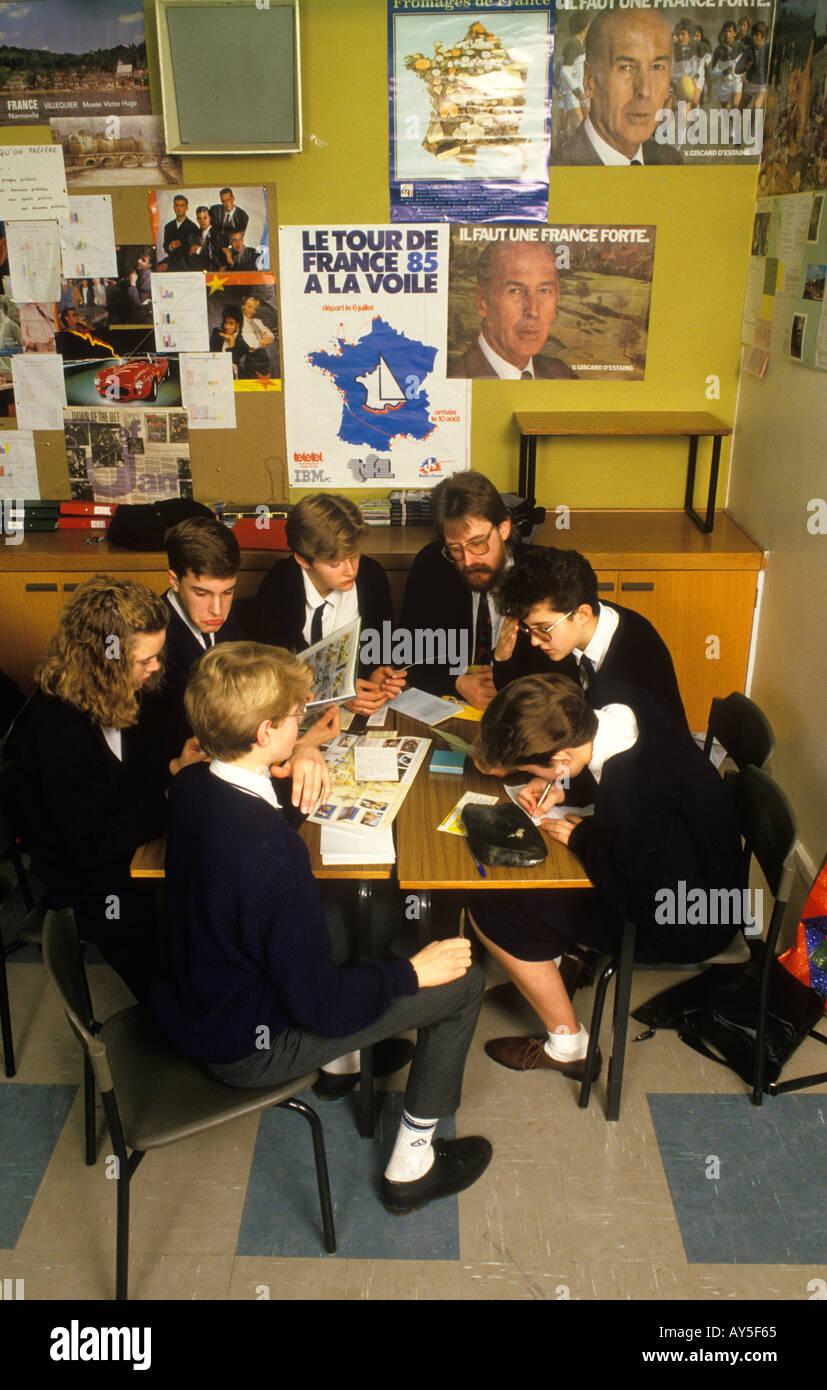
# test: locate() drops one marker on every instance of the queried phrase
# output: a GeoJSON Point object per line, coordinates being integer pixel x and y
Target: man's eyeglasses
{"type": "Point", "coordinates": [539, 630]}
{"type": "Point", "coordinates": [477, 546]}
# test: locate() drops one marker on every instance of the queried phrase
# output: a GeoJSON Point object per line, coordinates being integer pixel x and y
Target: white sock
{"type": "Point", "coordinates": [568, 1047]}
{"type": "Point", "coordinates": [413, 1152]}
{"type": "Point", "coordinates": [344, 1066]}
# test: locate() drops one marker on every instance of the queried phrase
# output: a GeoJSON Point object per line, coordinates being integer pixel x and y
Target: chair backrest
{"type": "Point", "coordinates": [64, 962]}
{"type": "Point", "coordinates": [742, 729]}
{"type": "Point", "coordinates": [767, 825]}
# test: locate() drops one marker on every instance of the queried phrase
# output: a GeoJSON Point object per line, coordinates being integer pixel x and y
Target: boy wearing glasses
{"type": "Point", "coordinates": [554, 621]}
{"type": "Point", "coordinates": [252, 987]}
{"type": "Point", "coordinates": [451, 585]}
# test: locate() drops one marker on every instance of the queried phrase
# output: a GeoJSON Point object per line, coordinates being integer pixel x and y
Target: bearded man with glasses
{"type": "Point", "coordinates": [451, 585]}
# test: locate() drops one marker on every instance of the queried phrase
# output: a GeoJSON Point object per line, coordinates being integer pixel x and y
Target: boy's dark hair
{"type": "Point", "coordinates": [564, 579]}
{"type": "Point", "coordinates": [467, 494]}
{"type": "Point", "coordinates": [202, 545]}
{"type": "Point", "coordinates": [759, 27]}
{"type": "Point", "coordinates": [532, 720]}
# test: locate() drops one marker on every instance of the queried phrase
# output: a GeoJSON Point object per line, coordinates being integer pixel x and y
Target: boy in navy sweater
{"type": "Point", "coordinates": [662, 848]}
{"type": "Point", "coordinates": [251, 988]}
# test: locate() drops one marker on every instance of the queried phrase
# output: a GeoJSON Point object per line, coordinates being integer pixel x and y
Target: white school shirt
{"type": "Point", "coordinates": [254, 783]}
{"type": "Point", "coordinates": [505, 370]}
{"type": "Point", "coordinates": [341, 608]}
{"type": "Point", "coordinates": [206, 639]}
{"type": "Point", "coordinates": [607, 621]}
{"type": "Point", "coordinates": [616, 731]}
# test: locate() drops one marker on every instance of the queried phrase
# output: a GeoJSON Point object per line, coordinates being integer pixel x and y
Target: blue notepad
{"type": "Point", "coordinates": [443, 760]}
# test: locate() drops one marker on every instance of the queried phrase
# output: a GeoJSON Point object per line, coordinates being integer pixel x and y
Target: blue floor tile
{"type": "Point", "coordinates": [281, 1213]}
{"type": "Point", "coordinates": [745, 1180]}
{"type": "Point", "coordinates": [31, 1119]}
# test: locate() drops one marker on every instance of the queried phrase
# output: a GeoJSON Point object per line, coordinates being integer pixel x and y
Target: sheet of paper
{"type": "Point", "coordinates": [512, 789]}
{"type": "Point", "coordinates": [452, 823]}
{"type": "Point", "coordinates": [179, 308]}
{"type": "Point", "coordinates": [32, 182]}
{"type": "Point", "coordinates": [418, 704]}
{"type": "Point", "coordinates": [207, 390]}
{"type": "Point", "coordinates": [34, 261]}
{"type": "Point", "coordinates": [87, 238]}
{"type": "Point", "coordinates": [356, 847]}
{"type": "Point", "coordinates": [18, 467]}
{"type": "Point", "coordinates": [39, 390]}
{"type": "Point", "coordinates": [379, 719]}
{"type": "Point", "coordinates": [375, 762]}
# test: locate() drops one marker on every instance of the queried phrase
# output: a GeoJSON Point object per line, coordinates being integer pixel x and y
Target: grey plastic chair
{"type": "Point", "coordinates": [152, 1094]}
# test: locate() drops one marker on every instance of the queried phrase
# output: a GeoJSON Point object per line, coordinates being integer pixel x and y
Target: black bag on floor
{"type": "Point", "coordinates": [723, 1025]}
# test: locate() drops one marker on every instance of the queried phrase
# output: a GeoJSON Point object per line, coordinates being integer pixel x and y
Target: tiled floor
{"type": "Point", "coordinates": [571, 1207]}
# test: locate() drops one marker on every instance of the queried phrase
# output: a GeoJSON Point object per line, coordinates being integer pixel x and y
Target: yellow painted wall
{"type": "Point", "coordinates": [703, 217]}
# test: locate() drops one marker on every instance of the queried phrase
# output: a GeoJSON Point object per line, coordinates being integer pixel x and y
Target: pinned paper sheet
{"type": "Point", "coordinates": [18, 466]}
{"type": "Point", "coordinates": [179, 308]}
{"type": "Point", "coordinates": [207, 390]}
{"type": "Point", "coordinates": [32, 182]}
{"type": "Point", "coordinates": [34, 261]}
{"type": "Point", "coordinates": [39, 390]}
{"type": "Point", "coordinates": [87, 238]}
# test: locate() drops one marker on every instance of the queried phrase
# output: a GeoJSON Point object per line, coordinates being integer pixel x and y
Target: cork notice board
{"type": "Point", "coordinates": [247, 464]}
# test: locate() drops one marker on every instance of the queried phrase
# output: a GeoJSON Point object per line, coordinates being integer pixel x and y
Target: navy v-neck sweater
{"type": "Point", "coordinates": [246, 942]}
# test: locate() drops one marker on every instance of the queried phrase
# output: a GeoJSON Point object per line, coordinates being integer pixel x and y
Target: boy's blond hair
{"type": "Point", "coordinates": [237, 685]}
{"type": "Point", "coordinates": [326, 527]}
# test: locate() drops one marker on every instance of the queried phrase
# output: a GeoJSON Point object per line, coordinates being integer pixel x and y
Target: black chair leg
{"type": "Point", "coordinates": [366, 945]}
{"type": "Point", "coordinates": [594, 1034]}
{"type": "Point", "coordinates": [126, 1167]}
{"type": "Point", "coordinates": [322, 1178]}
{"type": "Point", "coordinates": [5, 1018]}
{"type": "Point", "coordinates": [623, 995]}
{"type": "Point", "coordinates": [22, 878]}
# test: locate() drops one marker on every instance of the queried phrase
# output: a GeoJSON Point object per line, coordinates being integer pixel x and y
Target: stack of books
{"type": "Point", "coordinates": [376, 511]}
{"type": "Point", "coordinates": [37, 515]}
{"type": "Point", "coordinates": [410, 507]}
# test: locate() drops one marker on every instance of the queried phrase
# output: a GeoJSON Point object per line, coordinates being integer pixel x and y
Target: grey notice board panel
{"type": "Point", "coordinates": [230, 77]}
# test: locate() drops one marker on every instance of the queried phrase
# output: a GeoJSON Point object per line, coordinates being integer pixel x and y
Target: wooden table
{"type": "Point", "coordinates": [535, 424]}
{"type": "Point", "coordinates": [428, 859]}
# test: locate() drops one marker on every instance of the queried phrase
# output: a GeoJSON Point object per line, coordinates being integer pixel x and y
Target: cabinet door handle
{"type": "Point", "coordinates": [638, 585]}
{"type": "Point", "coordinates": [69, 588]}
{"type": "Point", "coordinates": [41, 588]}
{"type": "Point", "coordinates": [608, 585]}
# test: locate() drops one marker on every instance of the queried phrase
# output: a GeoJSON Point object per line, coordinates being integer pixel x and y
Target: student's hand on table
{"type": "Point", "coordinates": [368, 698]}
{"type": "Point", "coordinates": [529, 796]}
{"type": "Point", "coordinates": [311, 777]}
{"type": "Point", "coordinates": [477, 689]}
{"type": "Point", "coordinates": [326, 727]}
{"type": "Point", "coordinates": [190, 753]}
{"type": "Point", "coordinates": [442, 961]}
{"type": "Point", "coordinates": [391, 682]}
{"type": "Point", "coordinates": [561, 828]}
{"type": "Point", "coordinates": [507, 639]}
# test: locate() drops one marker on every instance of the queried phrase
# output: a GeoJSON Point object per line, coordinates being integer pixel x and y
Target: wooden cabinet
{"type": "Point", "coordinates": [698, 590]}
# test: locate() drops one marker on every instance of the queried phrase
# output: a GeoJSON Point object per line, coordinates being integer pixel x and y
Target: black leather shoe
{"type": "Point", "coordinates": [457, 1164]}
{"type": "Point", "coordinates": [389, 1056]}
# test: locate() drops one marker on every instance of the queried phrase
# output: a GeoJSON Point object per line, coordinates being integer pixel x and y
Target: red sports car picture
{"type": "Point", "coordinates": [136, 379]}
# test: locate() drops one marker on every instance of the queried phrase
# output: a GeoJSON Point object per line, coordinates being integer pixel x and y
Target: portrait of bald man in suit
{"type": "Point", "coordinates": [518, 288]}
{"type": "Point", "coordinates": [627, 77]}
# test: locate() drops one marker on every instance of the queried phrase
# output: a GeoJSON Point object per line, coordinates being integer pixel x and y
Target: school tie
{"type": "Point", "coordinates": [316, 624]}
{"type": "Point", "coordinates": [585, 672]}
{"type": "Point", "coordinates": [482, 643]}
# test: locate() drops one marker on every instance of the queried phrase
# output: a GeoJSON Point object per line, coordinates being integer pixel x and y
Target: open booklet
{"type": "Point", "coordinates": [334, 661]}
{"type": "Point", "coordinates": [356, 805]}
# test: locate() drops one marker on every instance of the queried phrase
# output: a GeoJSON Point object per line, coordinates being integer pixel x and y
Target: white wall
{"type": "Point", "coordinates": [779, 465]}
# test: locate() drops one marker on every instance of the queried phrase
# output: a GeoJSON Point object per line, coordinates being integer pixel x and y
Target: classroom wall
{"type": "Point", "coordinates": [778, 468]}
{"type": "Point", "coordinates": [703, 217]}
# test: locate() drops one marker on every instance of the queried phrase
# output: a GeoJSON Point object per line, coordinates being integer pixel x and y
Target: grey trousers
{"type": "Point", "coordinates": [445, 1017]}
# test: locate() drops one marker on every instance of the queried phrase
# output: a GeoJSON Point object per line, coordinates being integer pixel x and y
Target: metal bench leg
{"type": "Point", "coordinates": [594, 1034]}
{"type": "Point", "coordinates": [623, 994]}
{"type": "Point", "coordinates": [322, 1178]}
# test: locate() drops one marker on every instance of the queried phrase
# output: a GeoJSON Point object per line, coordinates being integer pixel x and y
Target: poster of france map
{"type": "Point", "coordinates": [367, 403]}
